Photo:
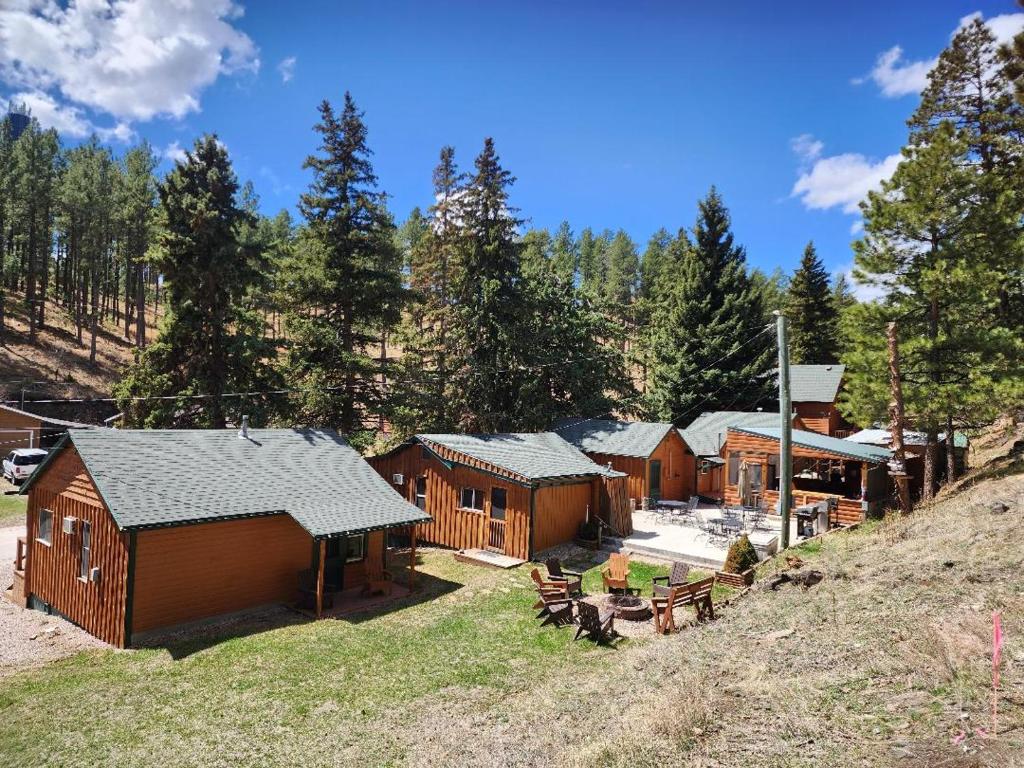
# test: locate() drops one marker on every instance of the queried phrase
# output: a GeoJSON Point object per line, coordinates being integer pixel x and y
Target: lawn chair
{"type": "Point", "coordinates": [552, 585]}
{"type": "Point", "coordinates": [615, 574]}
{"type": "Point", "coordinates": [573, 580]}
{"type": "Point", "coordinates": [677, 577]}
{"type": "Point", "coordinates": [555, 607]}
{"type": "Point", "coordinates": [597, 624]}
{"type": "Point", "coordinates": [696, 593]}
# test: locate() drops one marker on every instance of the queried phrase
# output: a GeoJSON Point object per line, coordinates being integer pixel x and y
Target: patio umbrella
{"type": "Point", "coordinates": [743, 483]}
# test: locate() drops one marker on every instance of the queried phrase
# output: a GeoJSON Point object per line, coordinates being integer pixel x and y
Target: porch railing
{"type": "Point", "coordinates": [496, 535]}
{"type": "Point", "coordinates": [19, 554]}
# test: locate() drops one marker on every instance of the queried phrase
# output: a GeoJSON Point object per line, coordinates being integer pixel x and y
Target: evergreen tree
{"type": "Point", "coordinates": [656, 265]}
{"type": "Point", "coordinates": [565, 253]}
{"type": "Point", "coordinates": [842, 295]}
{"type": "Point", "coordinates": [623, 274]}
{"type": "Point", "coordinates": [812, 313]}
{"type": "Point", "coordinates": [490, 335]}
{"type": "Point", "coordinates": [593, 260]}
{"type": "Point", "coordinates": [711, 313]}
{"type": "Point", "coordinates": [351, 293]}
{"type": "Point", "coordinates": [137, 214]}
{"type": "Point", "coordinates": [209, 343]}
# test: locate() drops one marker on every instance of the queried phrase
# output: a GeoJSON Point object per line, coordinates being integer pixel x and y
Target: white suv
{"type": "Point", "coordinates": [21, 463]}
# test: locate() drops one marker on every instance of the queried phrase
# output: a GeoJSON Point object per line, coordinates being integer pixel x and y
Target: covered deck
{"type": "Point", "coordinates": [824, 467]}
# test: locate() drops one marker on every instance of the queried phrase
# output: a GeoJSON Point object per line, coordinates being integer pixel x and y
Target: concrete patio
{"type": "Point", "coordinates": [658, 534]}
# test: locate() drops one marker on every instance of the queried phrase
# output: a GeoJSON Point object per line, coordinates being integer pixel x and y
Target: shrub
{"type": "Point", "coordinates": [742, 556]}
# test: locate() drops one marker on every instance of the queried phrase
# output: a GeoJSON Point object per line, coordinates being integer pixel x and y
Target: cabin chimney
{"type": "Point", "coordinates": [243, 433]}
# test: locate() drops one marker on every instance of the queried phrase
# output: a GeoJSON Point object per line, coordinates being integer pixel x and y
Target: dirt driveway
{"type": "Point", "coordinates": [30, 638]}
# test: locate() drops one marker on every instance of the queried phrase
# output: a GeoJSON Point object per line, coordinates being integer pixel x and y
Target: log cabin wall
{"type": "Point", "coordinates": [636, 483]}
{"type": "Point", "coordinates": [453, 526]}
{"type": "Point", "coordinates": [52, 571]}
{"type": "Point", "coordinates": [558, 512]}
{"type": "Point", "coordinates": [190, 572]}
{"type": "Point", "coordinates": [677, 467]}
{"type": "Point", "coordinates": [18, 431]}
{"type": "Point", "coordinates": [818, 417]}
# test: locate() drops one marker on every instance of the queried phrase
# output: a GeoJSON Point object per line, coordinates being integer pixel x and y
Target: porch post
{"type": "Point", "coordinates": [412, 557]}
{"type": "Point", "coordinates": [320, 578]}
{"type": "Point", "coordinates": [864, 481]}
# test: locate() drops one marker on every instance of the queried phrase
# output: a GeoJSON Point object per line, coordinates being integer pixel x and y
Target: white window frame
{"type": "Point", "coordinates": [85, 550]}
{"type": "Point", "coordinates": [47, 540]}
{"type": "Point", "coordinates": [478, 498]}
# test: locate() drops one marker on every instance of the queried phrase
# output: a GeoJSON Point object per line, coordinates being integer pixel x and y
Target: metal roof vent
{"type": "Point", "coordinates": [243, 433]}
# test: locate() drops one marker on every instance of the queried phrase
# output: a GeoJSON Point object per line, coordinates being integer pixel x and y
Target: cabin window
{"type": "Point", "coordinates": [84, 557]}
{"type": "Point", "coordinates": [773, 473]}
{"type": "Point", "coordinates": [45, 532]}
{"type": "Point", "coordinates": [473, 498]}
{"type": "Point", "coordinates": [356, 549]}
{"type": "Point", "coordinates": [734, 468]}
{"type": "Point", "coordinates": [499, 499]}
{"type": "Point", "coordinates": [755, 476]}
{"type": "Point", "coordinates": [421, 492]}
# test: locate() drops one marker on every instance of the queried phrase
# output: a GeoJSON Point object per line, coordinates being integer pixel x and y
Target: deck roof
{"type": "Point", "coordinates": [638, 439]}
{"type": "Point", "coordinates": [154, 478]}
{"type": "Point", "coordinates": [533, 456]}
{"type": "Point", "coordinates": [706, 434]}
{"type": "Point", "coordinates": [823, 443]}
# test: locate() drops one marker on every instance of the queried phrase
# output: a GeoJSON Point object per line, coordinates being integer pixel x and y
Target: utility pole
{"type": "Point", "coordinates": [786, 431]}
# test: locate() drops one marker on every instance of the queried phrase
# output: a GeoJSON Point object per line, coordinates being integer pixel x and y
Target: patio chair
{"type": "Point", "coordinates": [597, 624]}
{"type": "Point", "coordinates": [615, 574]}
{"type": "Point", "coordinates": [677, 577]}
{"type": "Point", "coordinates": [555, 607]}
{"type": "Point", "coordinates": [556, 573]}
{"type": "Point", "coordinates": [697, 594]}
{"type": "Point", "coordinates": [553, 586]}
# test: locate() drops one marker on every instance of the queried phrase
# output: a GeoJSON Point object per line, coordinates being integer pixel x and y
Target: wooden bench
{"type": "Point", "coordinates": [697, 594]}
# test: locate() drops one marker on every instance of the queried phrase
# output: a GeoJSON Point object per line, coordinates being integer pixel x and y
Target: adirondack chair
{"type": "Point", "coordinates": [556, 588]}
{"type": "Point", "coordinates": [677, 577]}
{"type": "Point", "coordinates": [573, 580]}
{"type": "Point", "coordinates": [378, 580]}
{"type": "Point", "coordinates": [615, 574]}
{"type": "Point", "coordinates": [697, 594]}
{"type": "Point", "coordinates": [597, 624]}
{"type": "Point", "coordinates": [555, 607]}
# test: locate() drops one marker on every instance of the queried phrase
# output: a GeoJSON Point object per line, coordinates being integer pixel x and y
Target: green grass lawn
{"type": "Point", "coordinates": [12, 508]}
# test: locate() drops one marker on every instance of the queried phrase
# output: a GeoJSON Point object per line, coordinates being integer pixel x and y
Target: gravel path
{"type": "Point", "coordinates": [30, 638]}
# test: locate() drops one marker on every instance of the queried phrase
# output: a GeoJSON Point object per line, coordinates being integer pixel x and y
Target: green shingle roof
{"type": "Point", "coordinates": [706, 434]}
{"type": "Point", "coordinates": [824, 443]}
{"type": "Point", "coordinates": [167, 477]}
{"type": "Point", "coordinates": [531, 455]}
{"type": "Point", "coordinates": [815, 383]}
{"type": "Point", "coordinates": [638, 439]}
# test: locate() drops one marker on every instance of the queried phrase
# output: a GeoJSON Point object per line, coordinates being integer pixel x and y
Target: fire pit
{"type": "Point", "coordinates": [629, 607]}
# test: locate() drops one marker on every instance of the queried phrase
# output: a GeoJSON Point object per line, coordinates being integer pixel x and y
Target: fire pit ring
{"type": "Point", "coordinates": [629, 607]}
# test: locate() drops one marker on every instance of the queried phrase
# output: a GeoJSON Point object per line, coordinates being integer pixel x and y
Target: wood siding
{"type": "Point", "coordinates": [558, 512]}
{"type": "Point", "coordinates": [18, 431]}
{"type": "Point", "coordinates": [191, 572]}
{"type": "Point", "coordinates": [677, 467]}
{"type": "Point", "coordinates": [52, 572]}
{"type": "Point", "coordinates": [453, 526]}
{"type": "Point", "coordinates": [818, 417]}
{"type": "Point", "coordinates": [636, 483]}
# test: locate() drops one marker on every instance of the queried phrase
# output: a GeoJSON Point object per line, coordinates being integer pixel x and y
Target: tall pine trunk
{"type": "Point", "coordinates": [950, 451]}
{"type": "Point", "coordinates": [140, 303]}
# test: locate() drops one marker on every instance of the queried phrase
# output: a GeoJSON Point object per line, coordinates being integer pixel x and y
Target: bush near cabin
{"type": "Point", "coordinates": [742, 556]}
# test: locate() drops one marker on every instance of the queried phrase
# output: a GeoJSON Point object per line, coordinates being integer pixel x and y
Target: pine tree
{"type": "Point", "coordinates": [709, 346]}
{"type": "Point", "coordinates": [351, 293]}
{"type": "Point", "coordinates": [137, 213]}
{"type": "Point", "coordinates": [209, 343]}
{"type": "Point", "coordinates": [490, 301]}
{"type": "Point", "coordinates": [656, 265]}
{"type": "Point", "coordinates": [811, 312]}
{"type": "Point", "coordinates": [593, 260]}
{"type": "Point", "coordinates": [565, 254]}
{"type": "Point", "coordinates": [842, 295]}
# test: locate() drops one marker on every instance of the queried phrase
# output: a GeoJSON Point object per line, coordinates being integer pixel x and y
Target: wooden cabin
{"type": "Point", "coordinates": [915, 443]}
{"type": "Point", "coordinates": [516, 494]}
{"type": "Point", "coordinates": [706, 436]}
{"type": "Point", "coordinates": [653, 455]}
{"type": "Point", "coordinates": [130, 531]}
{"type": "Point", "coordinates": [823, 467]}
{"type": "Point", "coordinates": [21, 429]}
{"type": "Point", "coordinates": [814, 390]}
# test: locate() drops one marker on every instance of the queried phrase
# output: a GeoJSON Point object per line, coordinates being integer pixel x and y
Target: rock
{"type": "Point", "coordinates": [779, 634]}
{"type": "Point", "coordinates": [949, 564]}
{"type": "Point", "coordinates": [998, 507]}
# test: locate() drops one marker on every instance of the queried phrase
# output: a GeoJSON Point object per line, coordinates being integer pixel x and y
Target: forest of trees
{"type": "Point", "coordinates": [461, 318]}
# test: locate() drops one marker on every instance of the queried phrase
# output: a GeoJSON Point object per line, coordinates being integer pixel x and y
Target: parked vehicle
{"type": "Point", "coordinates": [22, 462]}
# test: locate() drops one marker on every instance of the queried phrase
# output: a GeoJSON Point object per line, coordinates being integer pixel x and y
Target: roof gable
{"type": "Point", "coordinates": [638, 439]}
{"type": "Point", "coordinates": [150, 478]}
{"type": "Point", "coordinates": [532, 456]}
{"type": "Point", "coordinates": [824, 443]}
{"type": "Point", "coordinates": [815, 383]}
{"type": "Point", "coordinates": [706, 434]}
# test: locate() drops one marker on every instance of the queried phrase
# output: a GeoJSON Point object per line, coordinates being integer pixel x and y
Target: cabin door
{"type": "Point", "coordinates": [654, 481]}
{"type": "Point", "coordinates": [496, 520]}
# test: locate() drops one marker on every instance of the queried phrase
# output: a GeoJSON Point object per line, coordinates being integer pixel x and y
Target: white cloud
{"type": "Point", "coordinates": [67, 119]}
{"type": "Point", "coordinates": [132, 59]}
{"type": "Point", "coordinates": [286, 68]}
{"type": "Point", "coordinates": [174, 152]}
{"type": "Point", "coordinates": [860, 290]}
{"type": "Point", "coordinates": [840, 180]}
{"type": "Point", "coordinates": [857, 227]}
{"type": "Point", "coordinates": [896, 76]}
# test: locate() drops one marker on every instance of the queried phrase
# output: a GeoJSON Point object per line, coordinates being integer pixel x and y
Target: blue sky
{"type": "Point", "coordinates": [610, 115]}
